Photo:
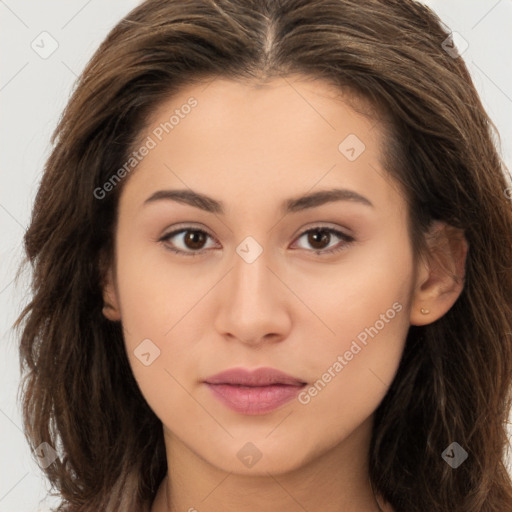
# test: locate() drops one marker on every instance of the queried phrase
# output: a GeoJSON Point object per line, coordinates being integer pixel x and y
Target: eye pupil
{"type": "Point", "coordinates": [193, 236]}
{"type": "Point", "coordinates": [315, 237]}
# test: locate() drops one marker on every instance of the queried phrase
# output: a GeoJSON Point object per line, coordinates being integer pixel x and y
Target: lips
{"type": "Point", "coordinates": [258, 377]}
{"type": "Point", "coordinates": [254, 392]}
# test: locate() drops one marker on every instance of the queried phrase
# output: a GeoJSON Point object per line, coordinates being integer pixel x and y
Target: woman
{"type": "Point", "coordinates": [332, 333]}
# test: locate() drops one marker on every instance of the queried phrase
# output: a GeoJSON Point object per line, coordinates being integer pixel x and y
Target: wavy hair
{"type": "Point", "coordinates": [454, 379]}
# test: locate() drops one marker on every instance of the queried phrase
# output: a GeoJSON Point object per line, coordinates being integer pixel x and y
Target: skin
{"type": "Point", "coordinates": [290, 309]}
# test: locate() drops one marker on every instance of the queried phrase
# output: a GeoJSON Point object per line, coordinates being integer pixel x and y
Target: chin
{"type": "Point", "coordinates": [260, 456]}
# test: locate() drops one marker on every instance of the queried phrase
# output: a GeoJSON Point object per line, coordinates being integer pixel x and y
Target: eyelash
{"type": "Point", "coordinates": [346, 238]}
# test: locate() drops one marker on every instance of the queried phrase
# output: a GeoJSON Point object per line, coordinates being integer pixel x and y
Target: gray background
{"type": "Point", "coordinates": [33, 92]}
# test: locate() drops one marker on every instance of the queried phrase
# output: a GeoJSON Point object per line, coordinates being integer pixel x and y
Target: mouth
{"type": "Point", "coordinates": [254, 392]}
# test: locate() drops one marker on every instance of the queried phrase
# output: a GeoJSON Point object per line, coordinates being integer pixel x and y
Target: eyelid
{"type": "Point", "coordinates": [177, 228]}
{"type": "Point", "coordinates": [346, 238]}
{"type": "Point", "coordinates": [337, 231]}
{"type": "Point", "coordinates": [182, 228]}
{"type": "Point", "coordinates": [327, 226]}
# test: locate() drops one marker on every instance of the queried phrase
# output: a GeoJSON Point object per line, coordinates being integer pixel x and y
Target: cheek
{"type": "Point", "coordinates": [158, 306]}
{"type": "Point", "coordinates": [366, 311]}
{"type": "Point", "coordinates": [154, 294]}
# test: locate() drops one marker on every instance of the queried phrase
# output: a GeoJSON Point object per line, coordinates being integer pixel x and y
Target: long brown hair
{"type": "Point", "coordinates": [454, 379]}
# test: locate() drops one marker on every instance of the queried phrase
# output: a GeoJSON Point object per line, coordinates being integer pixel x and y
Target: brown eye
{"type": "Point", "coordinates": [191, 242]}
{"type": "Point", "coordinates": [186, 241]}
{"type": "Point", "coordinates": [318, 237]}
{"type": "Point", "coordinates": [194, 239]}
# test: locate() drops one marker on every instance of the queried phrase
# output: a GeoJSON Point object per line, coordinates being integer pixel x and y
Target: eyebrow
{"type": "Point", "coordinates": [292, 205]}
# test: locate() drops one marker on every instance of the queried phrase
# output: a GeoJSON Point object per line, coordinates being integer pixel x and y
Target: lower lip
{"type": "Point", "coordinates": [254, 400]}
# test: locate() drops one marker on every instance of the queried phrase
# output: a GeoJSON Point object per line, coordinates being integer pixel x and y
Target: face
{"type": "Point", "coordinates": [319, 289]}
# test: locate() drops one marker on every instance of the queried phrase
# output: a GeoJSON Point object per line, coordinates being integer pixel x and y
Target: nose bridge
{"type": "Point", "coordinates": [251, 281]}
{"type": "Point", "coordinates": [251, 305]}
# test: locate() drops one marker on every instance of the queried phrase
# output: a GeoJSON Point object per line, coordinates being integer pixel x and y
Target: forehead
{"type": "Point", "coordinates": [236, 139]}
{"type": "Point", "coordinates": [295, 97]}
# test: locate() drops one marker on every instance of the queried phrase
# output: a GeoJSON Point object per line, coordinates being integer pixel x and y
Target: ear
{"type": "Point", "coordinates": [440, 274]}
{"type": "Point", "coordinates": [110, 297]}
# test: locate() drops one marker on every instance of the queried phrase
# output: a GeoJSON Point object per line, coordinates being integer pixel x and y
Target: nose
{"type": "Point", "coordinates": [253, 301]}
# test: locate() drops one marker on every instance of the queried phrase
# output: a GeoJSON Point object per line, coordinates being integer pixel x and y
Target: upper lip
{"type": "Point", "coordinates": [258, 377]}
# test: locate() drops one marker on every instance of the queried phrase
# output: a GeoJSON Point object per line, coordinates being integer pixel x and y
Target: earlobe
{"type": "Point", "coordinates": [110, 302]}
{"type": "Point", "coordinates": [440, 276]}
